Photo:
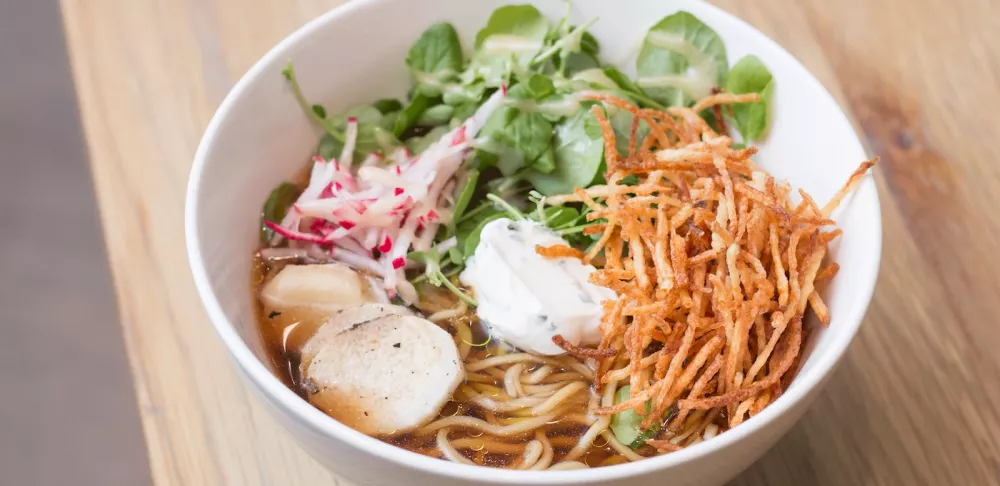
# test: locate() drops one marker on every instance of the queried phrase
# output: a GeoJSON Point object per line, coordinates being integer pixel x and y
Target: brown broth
{"type": "Point", "coordinates": [284, 335]}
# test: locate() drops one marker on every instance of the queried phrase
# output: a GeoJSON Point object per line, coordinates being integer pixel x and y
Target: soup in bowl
{"type": "Point", "coordinates": [507, 243]}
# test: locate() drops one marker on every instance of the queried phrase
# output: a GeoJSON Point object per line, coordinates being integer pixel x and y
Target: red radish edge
{"type": "Point", "coordinates": [386, 245]}
{"type": "Point", "coordinates": [398, 263]}
{"type": "Point", "coordinates": [294, 235]}
{"type": "Point", "coordinates": [459, 136]}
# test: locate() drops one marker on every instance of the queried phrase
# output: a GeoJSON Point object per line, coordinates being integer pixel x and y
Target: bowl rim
{"type": "Point", "coordinates": [258, 372]}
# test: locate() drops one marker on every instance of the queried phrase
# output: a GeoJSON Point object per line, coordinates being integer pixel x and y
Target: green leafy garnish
{"type": "Point", "coordinates": [275, 207]}
{"type": "Point", "coordinates": [293, 82]}
{"type": "Point", "coordinates": [634, 90]}
{"type": "Point", "coordinates": [536, 87]}
{"type": "Point", "coordinates": [409, 116]}
{"type": "Point", "coordinates": [329, 147]}
{"type": "Point", "coordinates": [681, 60]}
{"type": "Point", "coordinates": [469, 232]}
{"type": "Point", "coordinates": [625, 425]}
{"type": "Point", "coordinates": [517, 138]}
{"type": "Point", "coordinates": [465, 195]}
{"type": "Point", "coordinates": [578, 155]}
{"type": "Point", "coordinates": [436, 115]}
{"type": "Point", "coordinates": [543, 140]}
{"type": "Point", "coordinates": [513, 36]}
{"type": "Point", "coordinates": [505, 207]}
{"type": "Point", "coordinates": [432, 271]}
{"type": "Point", "coordinates": [621, 122]}
{"type": "Point", "coordinates": [387, 105]}
{"type": "Point", "coordinates": [435, 59]}
{"type": "Point", "coordinates": [420, 143]}
{"type": "Point", "coordinates": [750, 75]}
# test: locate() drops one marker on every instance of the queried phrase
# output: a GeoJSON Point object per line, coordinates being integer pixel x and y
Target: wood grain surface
{"type": "Point", "coordinates": [915, 401]}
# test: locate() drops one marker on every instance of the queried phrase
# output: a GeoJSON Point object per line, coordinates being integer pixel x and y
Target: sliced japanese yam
{"type": "Point", "coordinates": [343, 320]}
{"type": "Point", "coordinates": [385, 376]}
{"type": "Point", "coordinates": [322, 284]}
{"type": "Point", "coordinates": [305, 295]}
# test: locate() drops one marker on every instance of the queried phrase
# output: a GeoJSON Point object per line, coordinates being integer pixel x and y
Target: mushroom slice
{"type": "Point", "coordinates": [385, 376]}
{"type": "Point", "coordinates": [343, 320]}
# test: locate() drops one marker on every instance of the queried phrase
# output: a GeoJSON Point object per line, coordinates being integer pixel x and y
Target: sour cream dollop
{"type": "Point", "coordinates": [525, 298]}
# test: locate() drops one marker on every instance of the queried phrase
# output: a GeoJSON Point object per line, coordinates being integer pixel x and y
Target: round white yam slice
{"type": "Point", "coordinates": [385, 376]}
{"type": "Point", "coordinates": [315, 285]}
{"type": "Point", "coordinates": [305, 295]}
{"type": "Point", "coordinates": [343, 320]}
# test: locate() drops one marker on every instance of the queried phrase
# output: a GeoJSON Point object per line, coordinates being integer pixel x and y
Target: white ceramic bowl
{"type": "Point", "coordinates": [355, 54]}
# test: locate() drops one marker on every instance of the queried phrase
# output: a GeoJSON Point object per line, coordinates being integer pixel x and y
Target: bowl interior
{"type": "Point", "coordinates": [354, 55]}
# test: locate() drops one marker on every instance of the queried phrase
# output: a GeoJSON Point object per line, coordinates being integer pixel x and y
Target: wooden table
{"type": "Point", "coordinates": [916, 400]}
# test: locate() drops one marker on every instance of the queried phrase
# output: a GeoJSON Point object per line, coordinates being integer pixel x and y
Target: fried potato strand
{"type": "Point", "coordinates": [714, 266]}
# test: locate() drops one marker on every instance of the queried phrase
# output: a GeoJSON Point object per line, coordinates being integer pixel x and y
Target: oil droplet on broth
{"type": "Point", "coordinates": [594, 443]}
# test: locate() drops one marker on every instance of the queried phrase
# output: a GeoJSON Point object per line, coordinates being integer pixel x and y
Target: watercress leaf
{"type": "Point", "coordinates": [329, 147]}
{"type": "Point", "coordinates": [530, 134]}
{"type": "Point", "coordinates": [469, 231]}
{"type": "Point", "coordinates": [420, 143]}
{"type": "Point", "coordinates": [540, 86]}
{"type": "Point", "coordinates": [464, 111]}
{"type": "Point", "coordinates": [750, 75]}
{"type": "Point", "coordinates": [513, 35]}
{"type": "Point", "coordinates": [431, 260]}
{"type": "Point", "coordinates": [385, 141]}
{"type": "Point", "coordinates": [372, 133]}
{"type": "Point", "coordinates": [536, 87]}
{"type": "Point", "coordinates": [388, 121]}
{"type": "Point", "coordinates": [277, 203]}
{"type": "Point", "coordinates": [366, 114]}
{"type": "Point", "coordinates": [387, 105]}
{"type": "Point", "coordinates": [625, 425]}
{"type": "Point", "coordinates": [592, 128]}
{"type": "Point", "coordinates": [409, 116]}
{"type": "Point", "coordinates": [459, 94]}
{"type": "Point", "coordinates": [436, 57]}
{"type": "Point", "coordinates": [456, 256]}
{"type": "Point", "coordinates": [319, 110]}
{"type": "Point", "coordinates": [599, 178]}
{"type": "Point", "coordinates": [468, 188]}
{"type": "Point", "coordinates": [643, 436]}
{"type": "Point", "coordinates": [589, 44]}
{"type": "Point", "coordinates": [516, 139]}
{"type": "Point", "coordinates": [482, 160]}
{"type": "Point", "coordinates": [575, 62]}
{"type": "Point", "coordinates": [681, 60]}
{"type": "Point", "coordinates": [557, 217]}
{"type": "Point", "coordinates": [623, 81]}
{"type": "Point", "coordinates": [629, 180]}
{"type": "Point", "coordinates": [436, 115]}
{"type": "Point", "coordinates": [509, 161]}
{"type": "Point", "coordinates": [589, 78]}
{"type": "Point", "coordinates": [621, 122]}
{"type": "Point", "coordinates": [546, 163]}
{"type": "Point", "coordinates": [519, 21]}
{"type": "Point", "coordinates": [578, 155]}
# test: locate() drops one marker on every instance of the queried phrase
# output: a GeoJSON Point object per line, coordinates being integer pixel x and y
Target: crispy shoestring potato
{"type": "Point", "coordinates": [714, 266]}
